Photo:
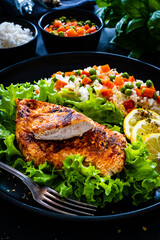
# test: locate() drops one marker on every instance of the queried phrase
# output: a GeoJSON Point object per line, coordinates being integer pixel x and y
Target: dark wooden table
{"type": "Point", "coordinates": [17, 223]}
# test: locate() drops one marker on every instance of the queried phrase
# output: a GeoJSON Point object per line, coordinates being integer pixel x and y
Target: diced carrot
{"type": "Point", "coordinates": [95, 67]}
{"type": "Point", "coordinates": [37, 91]}
{"type": "Point", "coordinates": [71, 33]}
{"type": "Point", "coordinates": [57, 23]}
{"type": "Point", "coordinates": [129, 104]}
{"type": "Point", "coordinates": [80, 31]}
{"type": "Point", "coordinates": [105, 68]}
{"type": "Point", "coordinates": [131, 79]}
{"type": "Point", "coordinates": [107, 82]}
{"type": "Point", "coordinates": [69, 73]}
{"type": "Point", "coordinates": [119, 80]}
{"type": "Point", "coordinates": [60, 84]}
{"type": "Point", "coordinates": [61, 28]}
{"type": "Point", "coordinates": [74, 23]}
{"type": "Point", "coordinates": [103, 76]}
{"type": "Point", "coordinates": [152, 87]}
{"type": "Point", "coordinates": [148, 92]}
{"type": "Point", "coordinates": [91, 30]}
{"type": "Point", "coordinates": [158, 99]}
{"type": "Point", "coordinates": [106, 92]}
{"type": "Point", "coordinates": [53, 75]}
{"type": "Point", "coordinates": [138, 92]}
{"type": "Point", "coordinates": [59, 72]}
{"type": "Point", "coordinates": [85, 73]}
{"type": "Point", "coordinates": [86, 80]}
{"type": "Point", "coordinates": [47, 29]}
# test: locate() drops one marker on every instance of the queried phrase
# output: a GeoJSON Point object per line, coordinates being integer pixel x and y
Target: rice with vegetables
{"type": "Point", "coordinates": [126, 92]}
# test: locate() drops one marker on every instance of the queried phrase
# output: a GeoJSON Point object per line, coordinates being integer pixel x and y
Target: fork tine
{"type": "Point", "coordinates": [73, 203]}
{"type": "Point", "coordinates": [55, 209]}
{"type": "Point", "coordinates": [55, 206]}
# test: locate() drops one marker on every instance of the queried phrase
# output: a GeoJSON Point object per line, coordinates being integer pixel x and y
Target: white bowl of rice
{"type": "Point", "coordinates": [18, 40]}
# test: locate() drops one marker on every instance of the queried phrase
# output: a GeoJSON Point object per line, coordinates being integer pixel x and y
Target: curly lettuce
{"type": "Point", "coordinates": [137, 181]}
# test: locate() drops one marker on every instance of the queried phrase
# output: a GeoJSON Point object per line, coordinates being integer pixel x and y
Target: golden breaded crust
{"type": "Point", "coordinates": [101, 147]}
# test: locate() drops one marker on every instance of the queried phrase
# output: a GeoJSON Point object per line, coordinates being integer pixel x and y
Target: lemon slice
{"type": "Point", "coordinates": [153, 145]}
{"type": "Point", "coordinates": [137, 115]}
{"type": "Point", "coordinates": [145, 127]}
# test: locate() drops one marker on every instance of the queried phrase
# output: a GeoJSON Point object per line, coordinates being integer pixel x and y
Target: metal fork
{"type": "Point", "coordinates": [51, 199]}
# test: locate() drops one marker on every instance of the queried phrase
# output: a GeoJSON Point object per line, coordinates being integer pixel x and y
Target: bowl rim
{"type": "Point", "coordinates": [70, 9]}
{"type": "Point", "coordinates": [11, 19]}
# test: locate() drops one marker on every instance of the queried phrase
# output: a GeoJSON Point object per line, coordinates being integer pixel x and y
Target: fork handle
{"type": "Point", "coordinates": [26, 180]}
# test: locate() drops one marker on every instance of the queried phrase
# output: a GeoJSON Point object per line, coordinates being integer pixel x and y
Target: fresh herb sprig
{"type": "Point", "coordinates": [136, 23]}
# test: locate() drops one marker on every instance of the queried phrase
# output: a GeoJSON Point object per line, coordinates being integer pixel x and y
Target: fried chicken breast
{"type": "Point", "coordinates": [39, 123]}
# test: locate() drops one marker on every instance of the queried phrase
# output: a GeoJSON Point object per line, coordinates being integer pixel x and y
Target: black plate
{"type": "Point", "coordinates": [41, 67]}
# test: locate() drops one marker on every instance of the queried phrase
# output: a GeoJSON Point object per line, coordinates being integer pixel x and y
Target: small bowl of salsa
{"type": "Point", "coordinates": [70, 30]}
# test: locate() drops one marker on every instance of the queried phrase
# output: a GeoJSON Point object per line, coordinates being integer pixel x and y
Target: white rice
{"type": "Point", "coordinates": [12, 35]}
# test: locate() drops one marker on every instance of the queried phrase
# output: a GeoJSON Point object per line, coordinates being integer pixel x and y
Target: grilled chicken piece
{"type": "Point", "coordinates": [100, 146]}
{"type": "Point", "coordinates": [51, 122]}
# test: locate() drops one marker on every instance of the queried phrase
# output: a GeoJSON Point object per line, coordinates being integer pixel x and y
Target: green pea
{"type": "Point", "coordinates": [128, 92]}
{"type": "Point", "coordinates": [72, 19]}
{"type": "Point", "coordinates": [54, 79]}
{"type": "Point", "coordinates": [73, 27]}
{"type": "Point", "coordinates": [52, 32]}
{"type": "Point", "coordinates": [93, 77]}
{"type": "Point", "coordinates": [71, 78]}
{"type": "Point", "coordinates": [83, 76]}
{"type": "Point", "coordinates": [88, 22]}
{"type": "Point", "coordinates": [63, 18]}
{"type": "Point", "coordinates": [138, 84]}
{"type": "Point", "coordinates": [60, 33]}
{"type": "Point", "coordinates": [149, 83]}
{"type": "Point", "coordinates": [143, 90]}
{"type": "Point", "coordinates": [92, 71]}
{"type": "Point", "coordinates": [78, 72]}
{"type": "Point", "coordinates": [123, 89]}
{"type": "Point", "coordinates": [155, 96]}
{"type": "Point", "coordinates": [129, 85]}
{"type": "Point", "coordinates": [112, 77]}
{"type": "Point", "coordinates": [80, 24]}
{"type": "Point", "coordinates": [125, 75]}
{"type": "Point", "coordinates": [99, 80]}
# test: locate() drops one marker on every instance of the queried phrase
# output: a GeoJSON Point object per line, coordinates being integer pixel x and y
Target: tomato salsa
{"type": "Point", "coordinates": [70, 27]}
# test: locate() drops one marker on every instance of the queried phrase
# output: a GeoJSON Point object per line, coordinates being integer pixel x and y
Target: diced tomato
{"type": "Point", "coordinates": [91, 30]}
{"type": "Point", "coordinates": [86, 26]}
{"type": "Point", "coordinates": [129, 104]}
{"type": "Point", "coordinates": [158, 99]}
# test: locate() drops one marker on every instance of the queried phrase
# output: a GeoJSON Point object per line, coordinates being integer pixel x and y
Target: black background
{"type": "Point", "coordinates": [17, 223]}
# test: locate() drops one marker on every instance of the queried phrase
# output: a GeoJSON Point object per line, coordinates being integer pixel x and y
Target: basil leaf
{"type": "Point", "coordinates": [134, 24]}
